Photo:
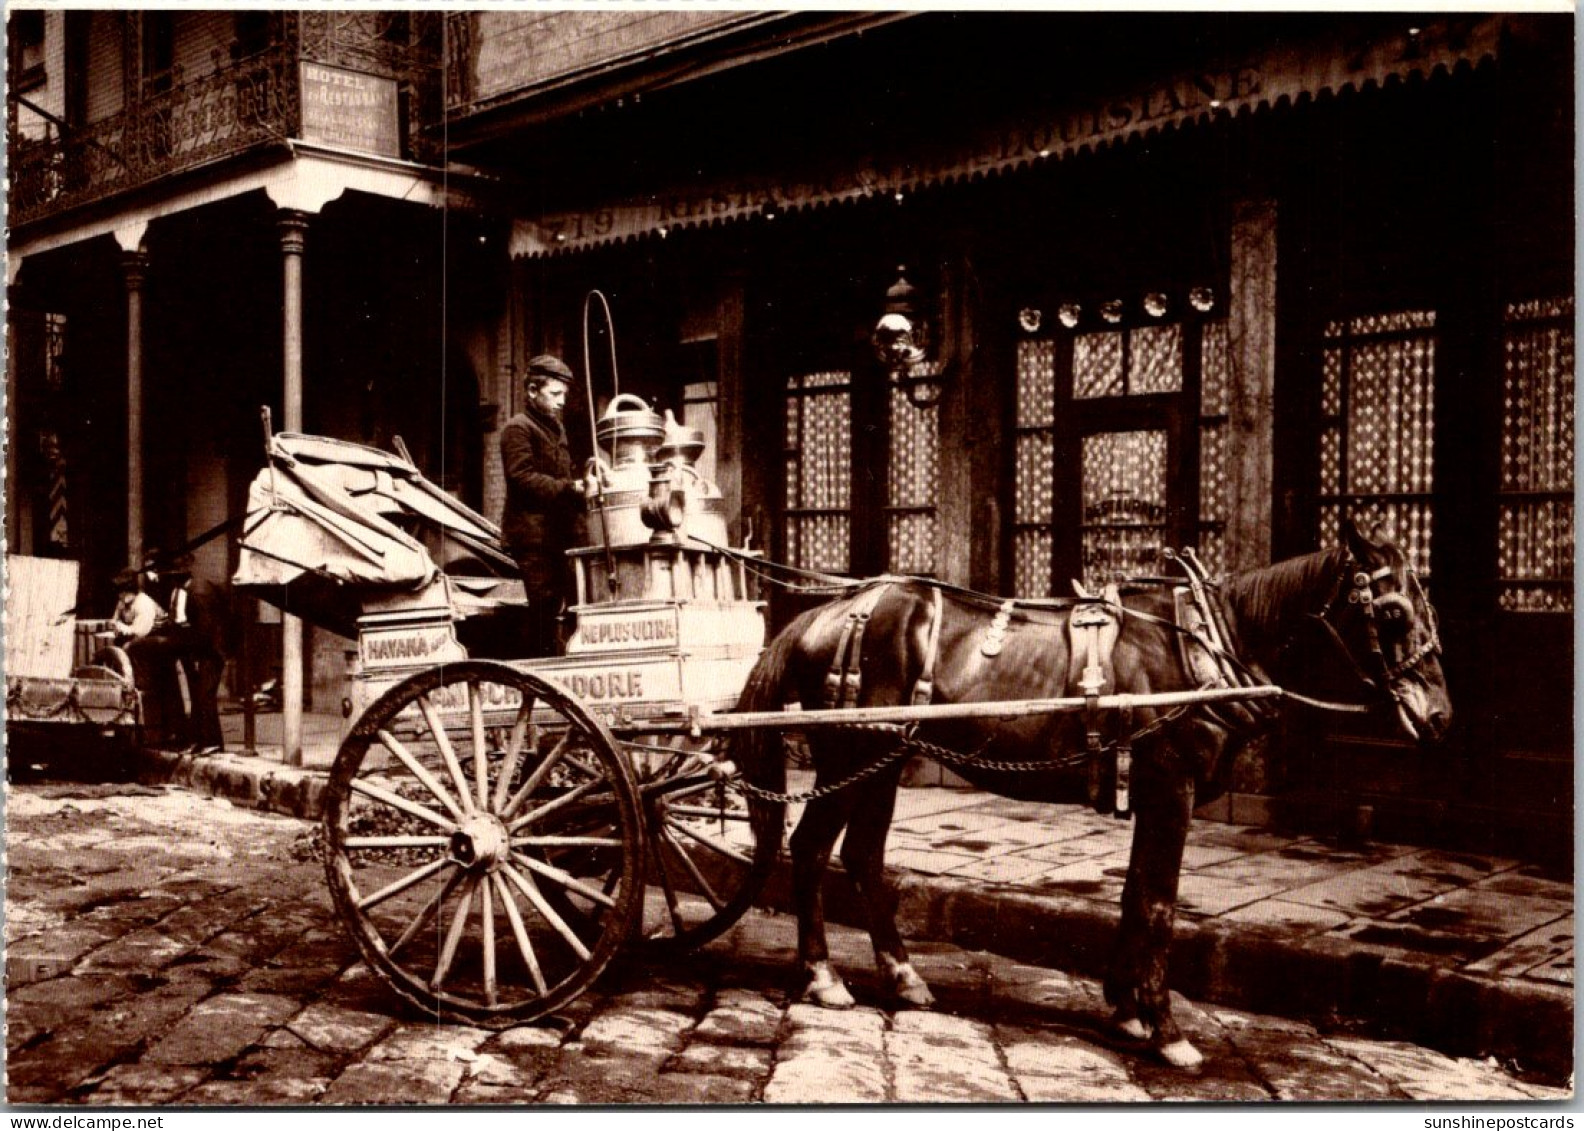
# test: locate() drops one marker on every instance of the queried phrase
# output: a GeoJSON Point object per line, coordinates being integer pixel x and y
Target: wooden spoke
{"type": "Point", "coordinates": [480, 747]}
{"type": "Point", "coordinates": [565, 799]}
{"type": "Point", "coordinates": [521, 730]}
{"type": "Point", "coordinates": [536, 779]}
{"type": "Point", "coordinates": [567, 841]}
{"type": "Point", "coordinates": [687, 862]}
{"type": "Point", "coordinates": [524, 947]}
{"type": "Point", "coordinates": [487, 921]}
{"type": "Point", "coordinates": [714, 845]}
{"type": "Point", "coordinates": [658, 856]}
{"type": "Point", "coordinates": [525, 885]}
{"type": "Point", "coordinates": [397, 841]}
{"type": "Point", "coordinates": [416, 768]}
{"type": "Point", "coordinates": [417, 876]}
{"type": "Point", "coordinates": [447, 754]}
{"type": "Point", "coordinates": [701, 812]}
{"type": "Point", "coordinates": [396, 801]}
{"type": "Point", "coordinates": [453, 936]}
{"type": "Point", "coordinates": [685, 788]}
{"type": "Point", "coordinates": [565, 879]}
{"type": "Point", "coordinates": [428, 912]}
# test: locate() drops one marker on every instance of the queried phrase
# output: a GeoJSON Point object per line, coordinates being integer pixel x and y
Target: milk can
{"type": "Point", "coordinates": [632, 432]}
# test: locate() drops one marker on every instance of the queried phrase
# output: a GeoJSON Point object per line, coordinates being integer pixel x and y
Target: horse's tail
{"type": "Point", "coordinates": [758, 751]}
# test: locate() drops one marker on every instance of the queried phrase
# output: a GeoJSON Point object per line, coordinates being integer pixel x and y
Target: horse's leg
{"type": "Point", "coordinates": [1137, 985]}
{"type": "Point", "coordinates": [811, 844]}
{"type": "Point", "coordinates": [863, 852]}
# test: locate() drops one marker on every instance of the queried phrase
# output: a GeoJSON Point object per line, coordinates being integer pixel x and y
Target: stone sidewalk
{"type": "Point", "coordinates": [1467, 953]}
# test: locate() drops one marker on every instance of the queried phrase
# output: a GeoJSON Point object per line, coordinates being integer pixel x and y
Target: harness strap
{"type": "Point", "coordinates": [844, 680]}
{"type": "Point", "coordinates": [1093, 629]}
{"type": "Point", "coordinates": [924, 689]}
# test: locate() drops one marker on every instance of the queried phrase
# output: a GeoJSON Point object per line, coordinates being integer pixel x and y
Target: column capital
{"type": "Point", "coordinates": [292, 226]}
{"type": "Point", "coordinates": [134, 268]}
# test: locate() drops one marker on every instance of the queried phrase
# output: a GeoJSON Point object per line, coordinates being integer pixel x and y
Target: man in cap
{"type": "Point", "coordinates": [543, 517]}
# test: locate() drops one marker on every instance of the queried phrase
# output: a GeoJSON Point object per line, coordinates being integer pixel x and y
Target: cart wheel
{"type": "Point", "coordinates": [484, 843]}
{"type": "Point", "coordinates": [116, 659]}
{"type": "Point", "coordinates": [710, 851]}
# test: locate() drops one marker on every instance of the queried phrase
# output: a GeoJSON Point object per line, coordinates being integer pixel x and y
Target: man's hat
{"type": "Point", "coordinates": [548, 365]}
{"type": "Point", "coordinates": [126, 579]}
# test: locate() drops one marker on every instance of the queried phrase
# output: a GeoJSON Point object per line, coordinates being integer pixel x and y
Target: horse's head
{"type": "Point", "coordinates": [1388, 628]}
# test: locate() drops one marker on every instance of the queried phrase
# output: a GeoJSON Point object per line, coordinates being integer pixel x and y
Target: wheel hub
{"type": "Point", "coordinates": [481, 843]}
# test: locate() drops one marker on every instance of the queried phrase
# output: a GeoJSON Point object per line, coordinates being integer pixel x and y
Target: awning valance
{"type": "Point", "coordinates": [1281, 73]}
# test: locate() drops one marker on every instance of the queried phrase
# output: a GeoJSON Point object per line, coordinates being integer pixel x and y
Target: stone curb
{"type": "Point", "coordinates": [249, 782]}
{"type": "Point", "coordinates": [1323, 979]}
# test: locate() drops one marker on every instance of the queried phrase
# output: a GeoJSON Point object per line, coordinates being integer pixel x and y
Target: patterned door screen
{"type": "Point", "coordinates": [1377, 427]}
{"type": "Point", "coordinates": [912, 484]}
{"type": "Point", "coordinates": [818, 469]}
{"type": "Point", "coordinates": [1535, 504]}
{"type": "Point", "coordinates": [1124, 504]}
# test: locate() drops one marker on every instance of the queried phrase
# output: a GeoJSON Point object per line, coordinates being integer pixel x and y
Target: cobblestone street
{"type": "Point", "coordinates": [169, 949]}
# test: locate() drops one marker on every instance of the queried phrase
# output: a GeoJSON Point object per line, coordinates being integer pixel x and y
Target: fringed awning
{"type": "Point", "coordinates": [1280, 74]}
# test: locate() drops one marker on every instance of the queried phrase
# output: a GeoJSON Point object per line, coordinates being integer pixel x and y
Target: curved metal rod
{"type": "Point", "coordinates": [611, 582]}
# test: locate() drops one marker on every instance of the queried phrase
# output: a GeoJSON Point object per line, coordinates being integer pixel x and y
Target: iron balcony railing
{"type": "Point", "coordinates": [240, 105]}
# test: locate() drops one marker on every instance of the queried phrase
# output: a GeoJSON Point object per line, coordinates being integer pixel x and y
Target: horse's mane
{"type": "Point", "coordinates": [1263, 598]}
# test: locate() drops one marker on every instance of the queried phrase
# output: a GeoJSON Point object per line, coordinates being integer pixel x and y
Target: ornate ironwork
{"type": "Point", "coordinates": [231, 109]}
{"type": "Point", "coordinates": [243, 102]}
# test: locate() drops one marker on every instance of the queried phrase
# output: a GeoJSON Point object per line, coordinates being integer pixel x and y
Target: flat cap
{"type": "Point", "coordinates": [548, 365]}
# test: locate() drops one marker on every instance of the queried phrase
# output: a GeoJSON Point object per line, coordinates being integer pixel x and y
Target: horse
{"type": "Point", "coordinates": [1352, 617]}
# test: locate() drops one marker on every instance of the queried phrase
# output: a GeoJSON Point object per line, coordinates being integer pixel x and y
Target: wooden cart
{"type": "Point", "coordinates": [65, 677]}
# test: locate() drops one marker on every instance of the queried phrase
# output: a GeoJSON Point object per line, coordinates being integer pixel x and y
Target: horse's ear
{"type": "Point", "coordinates": [1364, 547]}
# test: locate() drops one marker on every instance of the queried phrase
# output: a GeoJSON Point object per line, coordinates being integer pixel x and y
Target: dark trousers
{"type": "Point", "coordinates": [204, 670]}
{"type": "Point", "coordinates": [154, 659]}
{"type": "Point", "coordinates": [543, 576]}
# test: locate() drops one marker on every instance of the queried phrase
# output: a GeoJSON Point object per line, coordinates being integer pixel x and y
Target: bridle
{"type": "Point", "coordinates": [1359, 584]}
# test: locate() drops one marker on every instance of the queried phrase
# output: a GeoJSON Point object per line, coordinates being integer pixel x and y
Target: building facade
{"type": "Point", "coordinates": [1188, 281]}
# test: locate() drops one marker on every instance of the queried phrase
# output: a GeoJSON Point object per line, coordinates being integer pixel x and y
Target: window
{"type": "Point", "coordinates": [1115, 363]}
{"type": "Point", "coordinates": [158, 55]}
{"type": "Point", "coordinates": [26, 33]}
{"type": "Point", "coordinates": [1377, 427]}
{"type": "Point", "coordinates": [1535, 491]}
{"type": "Point", "coordinates": [1215, 393]}
{"type": "Point", "coordinates": [252, 33]}
{"type": "Point", "coordinates": [818, 471]}
{"type": "Point", "coordinates": [911, 482]}
{"type": "Point", "coordinates": [1034, 474]}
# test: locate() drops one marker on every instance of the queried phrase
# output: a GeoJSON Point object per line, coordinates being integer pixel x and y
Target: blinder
{"type": "Point", "coordinates": [1392, 608]}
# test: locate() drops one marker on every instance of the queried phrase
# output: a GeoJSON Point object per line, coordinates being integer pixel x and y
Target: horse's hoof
{"type": "Point", "coordinates": [909, 988]}
{"type": "Point", "coordinates": [918, 996]}
{"type": "Point", "coordinates": [826, 990]}
{"type": "Point", "coordinates": [1132, 1029]}
{"type": "Point", "coordinates": [835, 996]}
{"type": "Point", "coordinates": [1181, 1055]}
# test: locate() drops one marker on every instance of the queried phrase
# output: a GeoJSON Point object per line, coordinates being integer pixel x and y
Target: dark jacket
{"type": "Point", "coordinates": [543, 517]}
{"type": "Point", "coordinates": [207, 629]}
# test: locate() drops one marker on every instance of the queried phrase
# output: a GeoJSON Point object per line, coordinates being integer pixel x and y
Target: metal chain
{"type": "Point", "coordinates": [944, 755]}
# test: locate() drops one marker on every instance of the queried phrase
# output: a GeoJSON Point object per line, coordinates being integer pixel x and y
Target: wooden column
{"type": "Point", "coordinates": [1251, 334]}
{"type": "Point", "coordinates": [729, 446]}
{"type": "Point", "coordinates": [293, 228]}
{"type": "Point", "coordinates": [134, 265]}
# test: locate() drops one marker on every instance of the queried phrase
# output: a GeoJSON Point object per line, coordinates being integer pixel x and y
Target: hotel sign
{"type": "Point", "coordinates": [349, 110]}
